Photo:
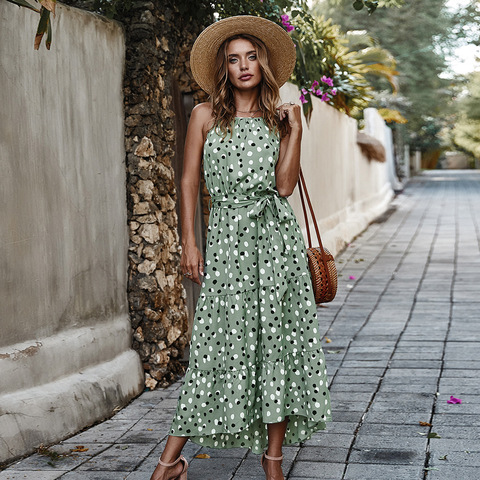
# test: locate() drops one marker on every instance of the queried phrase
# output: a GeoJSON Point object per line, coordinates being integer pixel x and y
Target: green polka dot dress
{"type": "Point", "coordinates": [255, 353]}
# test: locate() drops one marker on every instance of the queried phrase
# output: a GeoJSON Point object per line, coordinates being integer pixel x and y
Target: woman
{"type": "Point", "coordinates": [256, 376]}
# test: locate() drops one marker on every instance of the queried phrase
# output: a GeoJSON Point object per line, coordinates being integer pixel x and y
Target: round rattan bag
{"type": "Point", "coordinates": [324, 274]}
{"type": "Point", "coordinates": [320, 261]}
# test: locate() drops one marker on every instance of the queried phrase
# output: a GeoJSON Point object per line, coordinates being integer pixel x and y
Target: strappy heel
{"type": "Point", "coordinates": [268, 457]}
{"type": "Point", "coordinates": [183, 473]}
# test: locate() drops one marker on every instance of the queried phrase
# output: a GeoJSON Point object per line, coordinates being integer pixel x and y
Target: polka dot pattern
{"type": "Point", "coordinates": [255, 353]}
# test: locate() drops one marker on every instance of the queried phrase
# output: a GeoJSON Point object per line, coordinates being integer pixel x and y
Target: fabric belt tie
{"type": "Point", "coordinates": [275, 210]}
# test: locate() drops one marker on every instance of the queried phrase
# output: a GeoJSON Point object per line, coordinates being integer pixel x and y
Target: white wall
{"type": "Point", "coordinates": [65, 357]}
{"type": "Point", "coordinates": [347, 190]}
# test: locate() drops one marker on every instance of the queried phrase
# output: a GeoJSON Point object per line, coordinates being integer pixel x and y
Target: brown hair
{"type": "Point", "coordinates": [222, 98]}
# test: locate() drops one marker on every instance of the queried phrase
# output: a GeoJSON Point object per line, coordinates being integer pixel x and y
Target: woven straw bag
{"type": "Point", "coordinates": [320, 261]}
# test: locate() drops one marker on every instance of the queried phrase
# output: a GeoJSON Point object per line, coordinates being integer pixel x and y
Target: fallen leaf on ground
{"type": "Point", "coordinates": [443, 457]}
{"type": "Point", "coordinates": [454, 400]}
{"type": "Point", "coordinates": [333, 351]}
{"type": "Point", "coordinates": [149, 429]}
{"type": "Point", "coordinates": [425, 424]}
{"type": "Point", "coordinates": [79, 448]}
{"type": "Point", "coordinates": [202, 455]}
{"type": "Point", "coordinates": [431, 468]}
{"type": "Point", "coordinates": [327, 340]}
{"type": "Point", "coordinates": [433, 435]}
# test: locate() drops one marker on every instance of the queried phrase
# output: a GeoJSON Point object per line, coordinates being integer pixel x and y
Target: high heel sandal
{"type": "Point", "coordinates": [268, 457]}
{"type": "Point", "coordinates": [183, 473]}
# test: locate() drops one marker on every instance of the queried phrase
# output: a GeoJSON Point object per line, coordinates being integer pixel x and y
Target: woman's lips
{"type": "Point", "coordinates": [246, 77]}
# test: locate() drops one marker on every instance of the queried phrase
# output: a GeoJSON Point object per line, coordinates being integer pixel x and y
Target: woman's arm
{"type": "Point", "coordinates": [288, 165]}
{"type": "Point", "coordinates": [191, 259]}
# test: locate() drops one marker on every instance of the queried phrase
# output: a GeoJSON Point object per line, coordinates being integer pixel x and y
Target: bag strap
{"type": "Point", "coordinates": [301, 187]}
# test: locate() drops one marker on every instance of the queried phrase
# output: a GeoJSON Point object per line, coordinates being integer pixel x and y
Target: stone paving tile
{"type": "Point", "coordinates": [446, 472]}
{"type": "Point", "coordinates": [318, 469]}
{"type": "Point", "coordinates": [390, 456]}
{"type": "Point", "coordinates": [119, 458]}
{"type": "Point", "coordinates": [393, 442]}
{"type": "Point", "coordinates": [330, 440]}
{"type": "Point", "coordinates": [31, 475]}
{"type": "Point", "coordinates": [356, 471]}
{"type": "Point", "coordinates": [220, 468]}
{"type": "Point", "coordinates": [106, 432]}
{"type": "Point", "coordinates": [99, 475]}
{"type": "Point", "coordinates": [456, 419]}
{"type": "Point", "coordinates": [440, 458]}
{"type": "Point", "coordinates": [325, 454]}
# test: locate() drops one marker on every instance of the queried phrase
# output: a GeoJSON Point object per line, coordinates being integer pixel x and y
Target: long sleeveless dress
{"type": "Point", "coordinates": [255, 353]}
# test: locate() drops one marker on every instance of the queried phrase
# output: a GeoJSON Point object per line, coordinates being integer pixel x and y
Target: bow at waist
{"type": "Point", "coordinates": [278, 206]}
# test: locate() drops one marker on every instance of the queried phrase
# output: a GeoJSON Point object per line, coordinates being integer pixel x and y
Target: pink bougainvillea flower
{"type": "Point", "coordinates": [303, 99]}
{"type": "Point", "coordinates": [333, 91]}
{"type": "Point", "coordinates": [304, 91]}
{"type": "Point", "coordinates": [325, 98]}
{"type": "Point", "coordinates": [286, 23]}
{"type": "Point", "coordinates": [318, 92]}
{"type": "Point", "coordinates": [352, 277]}
{"type": "Point", "coordinates": [327, 80]}
{"type": "Point", "coordinates": [454, 400]}
{"type": "Point", "coordinates": [315, 84]}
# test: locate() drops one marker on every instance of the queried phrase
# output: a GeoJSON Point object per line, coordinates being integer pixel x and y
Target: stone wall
{"type": "Point", "coordinates": [348, 190]}
{"type": "Point", "coordinates": [157, 45]}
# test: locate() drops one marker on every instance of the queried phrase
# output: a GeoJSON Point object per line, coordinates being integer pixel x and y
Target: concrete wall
{"type": "Point", "coordinates": [347, 190]}
{"type": "Point", "coordinates": [65, 357]}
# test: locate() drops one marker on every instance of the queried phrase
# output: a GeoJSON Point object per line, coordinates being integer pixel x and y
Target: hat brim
{"type": "Point", "coordinates": [281, 49]}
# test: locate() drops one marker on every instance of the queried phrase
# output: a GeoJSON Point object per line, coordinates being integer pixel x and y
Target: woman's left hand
{"type": "Point", "coordinates": [293, 113]}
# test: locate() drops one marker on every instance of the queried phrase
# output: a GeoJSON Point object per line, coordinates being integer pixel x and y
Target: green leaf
{"type": "Point", "coordinates": [433, 435]}
{"type": "Point", "coordinates": [23, 3]}
{"type": "Point", "coordinates": [443, 457]}
{"type": "Point", "coordinates": [42, 26]}
{"type": "Point", "coordinates": [428, 469]}
{"type": "Point", "coordinates": [48, 41]}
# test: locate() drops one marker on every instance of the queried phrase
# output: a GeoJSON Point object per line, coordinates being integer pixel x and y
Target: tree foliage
{"type": "Point", "coordinates": [420, 35]}
{"type": "Point", "coordinates": [466, 133]}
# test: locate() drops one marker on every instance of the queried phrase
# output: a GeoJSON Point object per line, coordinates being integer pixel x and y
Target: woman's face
{"type": "Point", "coordinates": [244, 70]}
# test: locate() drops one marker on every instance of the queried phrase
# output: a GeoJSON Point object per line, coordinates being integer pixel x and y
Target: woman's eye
{"type": "Point", "coordinates": [232, 60]}
{"type": "Point", "coordinates": [252, 57]}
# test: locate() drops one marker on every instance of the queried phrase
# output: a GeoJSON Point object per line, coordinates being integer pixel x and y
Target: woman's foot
{"type": "Point", "coordinates": [272, 468]}
{"type": "Point", "coordinates": [163, 472]}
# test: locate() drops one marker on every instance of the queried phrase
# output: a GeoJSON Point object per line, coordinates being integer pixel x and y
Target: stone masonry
{"type": "Point", "coordinates": [157, 42]}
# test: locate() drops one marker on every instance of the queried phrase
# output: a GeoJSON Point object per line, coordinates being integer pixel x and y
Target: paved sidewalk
{"type": "Point", "coordinates": [405, 336]}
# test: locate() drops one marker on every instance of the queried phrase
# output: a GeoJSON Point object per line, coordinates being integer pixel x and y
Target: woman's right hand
{"type": "Point", "coordinates": [192, 263]}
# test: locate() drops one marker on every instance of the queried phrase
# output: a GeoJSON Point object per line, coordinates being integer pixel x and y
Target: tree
{"type": "Point", "coordinates": [419, 36]}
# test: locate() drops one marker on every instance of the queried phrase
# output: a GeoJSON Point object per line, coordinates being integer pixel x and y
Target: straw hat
{"type": "Point", "coordinates": [280, 47]}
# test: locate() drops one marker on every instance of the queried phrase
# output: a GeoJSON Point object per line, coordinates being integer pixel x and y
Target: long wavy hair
{"type": "Point", "coordinates": [222, 97]}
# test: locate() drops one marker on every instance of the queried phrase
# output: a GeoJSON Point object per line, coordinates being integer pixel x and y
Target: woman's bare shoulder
{"type": "Point", "coordinates": [202, 111]}
{"type": "Point", "coordinates": [202, 115]}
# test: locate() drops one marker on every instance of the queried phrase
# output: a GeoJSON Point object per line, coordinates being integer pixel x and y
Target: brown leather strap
{"type": "Point", "coordinates": [301, 183]}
